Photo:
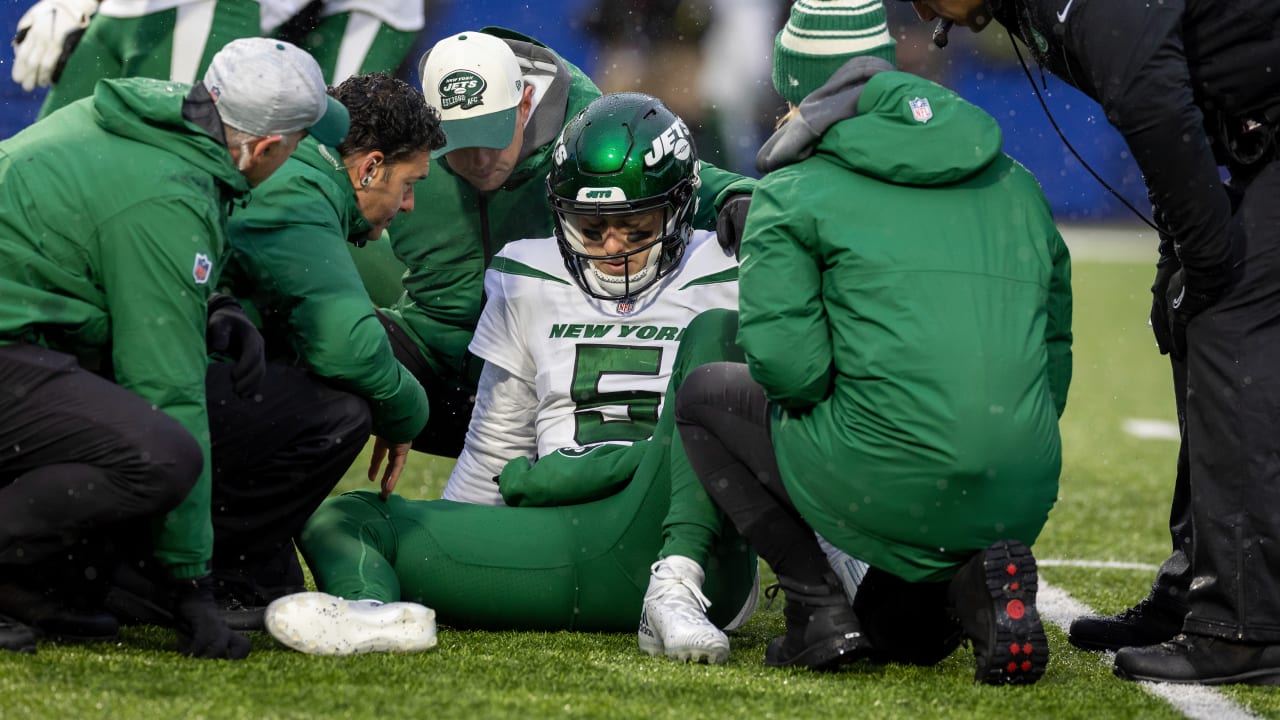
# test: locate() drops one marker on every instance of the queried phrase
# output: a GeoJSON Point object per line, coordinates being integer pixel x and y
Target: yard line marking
{"type": "Point", "coordinates": [1198, 702]}
{"type": "Point", "coordinates": [1105, 564]}
{"type": "Point", "coordinates": [1148, 429]}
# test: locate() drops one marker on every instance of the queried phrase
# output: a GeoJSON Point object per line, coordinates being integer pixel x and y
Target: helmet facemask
{"type": "Point", "coordinates": [661, 225]}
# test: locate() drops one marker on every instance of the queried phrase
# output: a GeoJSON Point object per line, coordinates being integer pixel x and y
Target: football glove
{"type": "Point", "coordinates": [732, 220]}
{"type": "Point", "coordinates": [47, 33]}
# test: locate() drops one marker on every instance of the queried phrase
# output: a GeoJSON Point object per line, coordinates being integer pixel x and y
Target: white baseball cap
{"type": "Point", "coordinates": [270, 87]}
{"type": "Point", "coordinates": [475, 82]}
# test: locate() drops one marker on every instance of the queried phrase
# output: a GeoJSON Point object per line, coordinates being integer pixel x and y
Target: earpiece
{"type": "Point", "coordinates": [364, 181]}
{"type": "Point", "coordinates": [940, 32]}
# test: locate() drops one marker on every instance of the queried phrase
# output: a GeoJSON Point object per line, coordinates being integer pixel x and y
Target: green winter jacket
{"type": "Point", "coordinates": [289, 260]}
{"type": "Point", "coordinates": [906, 305]}
{"type": "Point", "coordinates": [111, 230]}
{"type": "Point", "coordinates": [454, 230]}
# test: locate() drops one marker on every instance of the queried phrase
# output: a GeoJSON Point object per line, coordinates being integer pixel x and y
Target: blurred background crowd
{"type": "Point", "coordinates": [710, 60]}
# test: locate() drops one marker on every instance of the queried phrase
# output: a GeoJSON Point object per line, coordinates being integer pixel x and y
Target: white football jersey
{"type": "Point", "coordinates": [599, 368]}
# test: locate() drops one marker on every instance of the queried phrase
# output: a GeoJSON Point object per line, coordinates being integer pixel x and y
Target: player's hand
{"type": "Point", "coordinates": [395, 455]}
{"type": "Point", "coordinates": [202, 632]}
{"type": "Point", "coordinates": [230, 332]}
{"type": "Point", "coordinates": [732, 220]}
{"type": "Point", "coordinates": [47, 33]}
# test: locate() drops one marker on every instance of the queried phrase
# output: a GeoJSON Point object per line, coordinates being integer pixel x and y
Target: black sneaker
{"type": "Point", "coordinates": [994, 598]}
{"type": "Point", "coordinates": [1200, 660]}
{"type": "Point", "coordinates": [822, 631]}
{"type": "Point", "coordinates": [239, 615]}
{"type": "Point", "coordinates": [139, 599]}
{"type": "Point", "coordinates": [16, 637]}
{"type": "Point", "coordinates": [1146, 623]}
{"type": "Point", "coordinates": [52, 618]}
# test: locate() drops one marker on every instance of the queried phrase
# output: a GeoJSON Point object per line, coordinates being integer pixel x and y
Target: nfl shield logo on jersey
{"type": "Point", "coordinates": [626, 306]}
{"type": "Point", "coordinates": [200, 271]}
{"type": "Point", "coordinates": [920, 109]}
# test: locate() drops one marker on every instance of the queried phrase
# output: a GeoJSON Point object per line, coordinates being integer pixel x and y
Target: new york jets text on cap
{"type": "Point", "coordinates": [475, 82]}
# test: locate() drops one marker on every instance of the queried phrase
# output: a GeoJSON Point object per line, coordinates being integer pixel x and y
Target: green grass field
{"type": "Point", "coordinates": [1113, 506]}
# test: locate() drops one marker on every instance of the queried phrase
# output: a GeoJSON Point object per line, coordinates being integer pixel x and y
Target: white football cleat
{"type": "Point", "coordinates": [318, 623]}
{"type": "Point", "coordinates": [673, 619]}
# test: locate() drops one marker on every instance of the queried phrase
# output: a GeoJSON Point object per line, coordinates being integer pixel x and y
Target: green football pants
{"type": "Point", "coordinates": [577, 567]}
{"type": "Point", "coordinates": [355, 43]}
{"type": "Point", "coordinates": [176, 44]}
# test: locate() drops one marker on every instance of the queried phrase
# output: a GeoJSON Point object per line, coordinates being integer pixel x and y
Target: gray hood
{"type": "Point", "coordinates": [551, 80]}
{"type": "Point", "coordinates": [835, 100]}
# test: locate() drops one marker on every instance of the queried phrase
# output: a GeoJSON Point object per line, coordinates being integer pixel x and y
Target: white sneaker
{"type": "Point", "coordinates": [673, 620]}
{"type": "Point", "coordinates": [748, 607]}
{"type": "Point", "coordinates": [321, 624]}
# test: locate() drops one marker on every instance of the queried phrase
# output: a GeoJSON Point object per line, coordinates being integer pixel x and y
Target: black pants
{"type": "Point", "coordinates": [1233, 436]}
{"type": "Point", "coordinates": [452, 398]}
{"type": "Point", "coordinates": [1173, 579]}
{"type": "Point", "coordinates": [275, 459]}
{"type": "Point", "coordinates": [723, 419]}
{"type": "Point", "coordinates": [79, 454]}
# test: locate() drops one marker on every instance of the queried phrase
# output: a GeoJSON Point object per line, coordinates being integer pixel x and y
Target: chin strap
{"type": "Point", "coordinates": [619, 286]}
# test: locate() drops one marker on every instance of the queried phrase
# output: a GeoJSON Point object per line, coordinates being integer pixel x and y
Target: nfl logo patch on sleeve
{"type": "Point", "coordinates": [200, 271]}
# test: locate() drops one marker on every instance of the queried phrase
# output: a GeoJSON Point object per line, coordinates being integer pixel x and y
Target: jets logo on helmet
{"type": "Point", "coordinates": [461, 87]}
{"type": "Point", "coordinates": [590, 194]}
{"type": "Point", "coordinates": [674, 140]}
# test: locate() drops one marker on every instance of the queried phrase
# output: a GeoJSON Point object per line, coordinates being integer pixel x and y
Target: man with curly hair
{"type": "Point", "coordinates": [331, 375]}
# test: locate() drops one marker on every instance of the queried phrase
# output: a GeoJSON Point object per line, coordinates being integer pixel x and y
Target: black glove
{"type": "Point", "coordinates": [229, 332]}
{"type": "Point", "coordinates": [1159, 318]}
{"type": "Point", "coordinates": [732, 220]}
{"type": "Point", "coordinates": [1184, 303]}
{"type": "Point", "coordinates": [201, 631]}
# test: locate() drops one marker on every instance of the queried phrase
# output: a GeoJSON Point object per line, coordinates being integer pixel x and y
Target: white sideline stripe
{"type": "Point", "coordinates": [1149, 429]}
{"type": "Point", "coordinates": [1125, 243]}
{"type": "Point", "coordinates": [1198, 702]}
{"type": "Point", "coordinates": [1105, 564]}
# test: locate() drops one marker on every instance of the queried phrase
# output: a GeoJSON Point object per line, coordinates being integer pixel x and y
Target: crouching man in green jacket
{"type": "Point", "coordinates": [331, 376]}
{"type": "Point", "coordinates": [289, 260]}
{"type": "Point", "coordinates": [112, 216]}
{"type": "Point", "coordinates": [905, 312]}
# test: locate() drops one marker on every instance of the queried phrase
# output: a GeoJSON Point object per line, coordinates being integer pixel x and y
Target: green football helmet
{"type": "Point", "coordinates": [624, 154]}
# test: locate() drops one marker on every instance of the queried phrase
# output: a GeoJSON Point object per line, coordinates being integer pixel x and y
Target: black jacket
{"type": "Point", "coordinates": [1168, 75]}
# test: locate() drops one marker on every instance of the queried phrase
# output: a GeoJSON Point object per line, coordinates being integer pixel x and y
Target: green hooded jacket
{"type": "Point", "coordinates": [111, 230]}
{"type": "Point", "coordinates": [906, 305]}
{"type": "Point", "coordinates": [289, 259]}
{"type": "Point", "coordinates": [454, 230]}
